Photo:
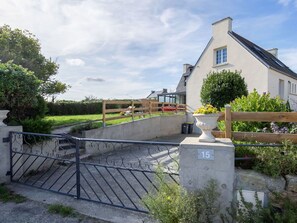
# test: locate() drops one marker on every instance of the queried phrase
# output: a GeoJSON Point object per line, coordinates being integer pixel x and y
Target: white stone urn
{"type": "Point", "coordinates": [3, 115]}
{"type": "Point", "coordinates": [206, 122]}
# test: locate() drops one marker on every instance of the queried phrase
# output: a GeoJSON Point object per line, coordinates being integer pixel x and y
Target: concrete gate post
{"type": "Point", "coordinates": [200, 162]}
{"type": "Point", "coordinates": [5, 151]}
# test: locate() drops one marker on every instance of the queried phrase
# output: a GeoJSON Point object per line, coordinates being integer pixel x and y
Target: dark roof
{"type": "Point", "coordinates": [265, 57]}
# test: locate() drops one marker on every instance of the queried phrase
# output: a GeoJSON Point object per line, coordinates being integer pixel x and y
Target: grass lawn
{"type": "Point", "coordinates": [75, 119]}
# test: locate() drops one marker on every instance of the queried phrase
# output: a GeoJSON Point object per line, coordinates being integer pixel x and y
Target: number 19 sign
{"type": "Point", "coordinates": [205, 154]}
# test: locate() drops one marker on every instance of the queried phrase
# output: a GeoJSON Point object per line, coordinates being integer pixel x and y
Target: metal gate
{"type": "Point", "coordinates": [113, 172]}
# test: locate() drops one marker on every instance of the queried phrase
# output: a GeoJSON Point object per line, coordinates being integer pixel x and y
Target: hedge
{"type": "Point", "coordinates": [74, 108]}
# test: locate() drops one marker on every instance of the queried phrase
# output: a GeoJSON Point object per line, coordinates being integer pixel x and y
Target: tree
{"type": "Point", "coordinates": [24, 49]}
{"type": "Point", "coordinates": [220, 88]}
{"type": "Point", "coordinates": [19, 91]}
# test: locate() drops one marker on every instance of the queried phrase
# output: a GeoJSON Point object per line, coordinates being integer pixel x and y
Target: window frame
{"type": "Point", "coordinates": [221, 55]}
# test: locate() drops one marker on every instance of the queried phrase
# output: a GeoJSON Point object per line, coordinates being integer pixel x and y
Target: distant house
{"type": "Point", "coordinates": [179, 95]}
{"type": "Point", "coordinates": [227, 50]}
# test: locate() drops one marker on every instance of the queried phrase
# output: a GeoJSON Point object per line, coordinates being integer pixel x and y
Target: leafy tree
{"type": "Point", "coordinates": [220, 88]}
{"type": "Point", "coordinates": [24, 49]}
{"type": "Point", "coordinates": [19, 91]}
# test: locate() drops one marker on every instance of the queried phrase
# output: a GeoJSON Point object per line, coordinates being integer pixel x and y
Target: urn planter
{"type": "Point", "coordinates": [3, 115]}
{"type": "Point", "coordinates": [206, 122]}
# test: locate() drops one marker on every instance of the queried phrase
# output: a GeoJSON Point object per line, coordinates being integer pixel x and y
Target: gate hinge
{"type": "Point", "coordinates": [8, 173]}
{"type": "Point", "coordinates": [5, 139]}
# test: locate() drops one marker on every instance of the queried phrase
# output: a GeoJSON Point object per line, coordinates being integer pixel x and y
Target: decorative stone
{"type": "Point", "coordinates": [291, 183]}
{"type": "Point", "coordinates": [3, 115]}
{"type": "Point", "coordinates": [251, 180]}
{"type": "Point", "coordinates": [206, 122]}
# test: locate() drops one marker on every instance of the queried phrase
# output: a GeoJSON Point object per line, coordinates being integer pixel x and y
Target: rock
{"type": "Point", "coordinates": [291, 183]}
{"type": "Point", "coordinates": [251, 180]}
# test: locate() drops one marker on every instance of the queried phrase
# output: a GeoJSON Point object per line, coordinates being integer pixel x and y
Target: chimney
{"type": "Point", "coordinates": [186, 66]}
{"type": "Point", "coordinates": [273, 51]}
{"type": "Point", "coordinates": [222, 26]}
{"type": "Point", "coordinates": [164, 90]}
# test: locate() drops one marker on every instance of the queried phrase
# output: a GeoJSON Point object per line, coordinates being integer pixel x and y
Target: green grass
{"type": "Point", "coordinates": [7, 195]}
{"type": "Point", "coordinates": [73, 119]}
{"type": "Point", "coordinates": [62, 210]}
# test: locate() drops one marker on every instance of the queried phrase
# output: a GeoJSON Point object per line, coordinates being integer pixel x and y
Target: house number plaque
{"type": "Point", "coordinates": [205, 154]}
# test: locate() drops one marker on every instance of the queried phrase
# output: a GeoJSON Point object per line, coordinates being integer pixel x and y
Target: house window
{"type": "Point", "coordinates": [293, 88]}
{"type": "Point", "coordinates": [281, 89]}
{"type": "Point", "coordinates": [221, 55]}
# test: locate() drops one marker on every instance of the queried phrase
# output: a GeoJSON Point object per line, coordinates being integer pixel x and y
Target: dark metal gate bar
{"type": "Point", "coordinates": [38, 160]}
{"type": "Point", "coordinates": [120, 173]}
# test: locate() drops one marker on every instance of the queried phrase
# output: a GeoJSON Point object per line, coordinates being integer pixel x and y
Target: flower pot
{"type": "Point", "coordinates": [206, 122]}
{"type": "Point", "coordinates": [3, 115]}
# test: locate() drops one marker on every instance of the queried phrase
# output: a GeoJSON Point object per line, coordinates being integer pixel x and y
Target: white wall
{"type": "Point", "coordinates": [238, 58]}
{"type": "Point", "coordinates": [138, 130]}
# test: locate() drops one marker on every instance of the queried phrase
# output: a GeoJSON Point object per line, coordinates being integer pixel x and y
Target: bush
{"type": "Point", "coordinates": [277, 161]}
{"type": "Point", "coordinates": [220, 88]}
{"type": "Point", "coordinates": [172, 204]}
{"type": "Point", "coordinates": [37, 125]}
{"type": "Point", "coordinates": [272, 161]}
{"type": "Point", "coordinates": [254, 102]}
{"type": "Point", "coordinates": [74, 108]}
{"type": "Point", "coordinates": [19, 90]}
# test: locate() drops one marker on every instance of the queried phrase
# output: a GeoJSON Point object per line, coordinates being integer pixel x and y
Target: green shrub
{"type": "Point", "coordinates": [277, 161]}
{"type": "Point", "coordinates": [37, 125]}
{"type": "Point", "coordinates": [19, 90]}
{"type": "Point", "coordinates": [172, 204]}
{"type": "Point", "coordinates": [254, 102]}
{"type": "Point", "coordinates": [74, 108]}
{"type": "Point", "coordinates": [220, 88]}
{"type": "Point", "coordinates": [272, 161]}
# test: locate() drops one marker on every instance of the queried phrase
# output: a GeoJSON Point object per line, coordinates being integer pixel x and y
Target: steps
{"type": "Point", "coordinates": [67, 151]}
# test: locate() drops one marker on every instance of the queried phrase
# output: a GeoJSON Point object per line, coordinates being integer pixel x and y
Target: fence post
{"type": "Point", "coordinates": [202, 162]}
{"type": "Point", "coordinates": [77, 162]}
{"type": "Point", "coordinates": [6, 151]}
{"type": "Point", "coordinates": [150, 108]}
{"type": "Point", "coordinates": [228, 122]}
{"type": "Point", "coordinates": [163, 107]}
{"type": "Point", "coordinates": [103, 113]}
{"type": "Point", "coordinates": [132, 110]}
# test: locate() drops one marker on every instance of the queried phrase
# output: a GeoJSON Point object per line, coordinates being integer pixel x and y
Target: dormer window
{"type": "Point", "coordinates": [221, 55]}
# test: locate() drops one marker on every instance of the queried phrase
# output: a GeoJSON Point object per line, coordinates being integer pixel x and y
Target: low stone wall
{"type": "Point", "coordinates": [138, 130]}
{"type": "Point", "coordinates": [254, 181]}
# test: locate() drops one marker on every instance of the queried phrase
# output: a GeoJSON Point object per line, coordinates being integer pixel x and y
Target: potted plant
{"type": "Point", "coordinates": [206, 119]}
{"type": "Point", "coordinates": [3, 115]}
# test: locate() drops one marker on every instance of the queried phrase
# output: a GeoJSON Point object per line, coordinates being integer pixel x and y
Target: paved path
{"type": "Point", "coordinates": [34, 210]}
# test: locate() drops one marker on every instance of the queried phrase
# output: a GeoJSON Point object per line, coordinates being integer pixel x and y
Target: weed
{"type": "Point", "coordinates": [7, 195]}
{"type": "Point", "coordinates": [63, 210]}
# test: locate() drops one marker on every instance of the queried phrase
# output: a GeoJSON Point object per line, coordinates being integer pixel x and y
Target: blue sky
{"type": "Point", "coordinates": [126, 48]}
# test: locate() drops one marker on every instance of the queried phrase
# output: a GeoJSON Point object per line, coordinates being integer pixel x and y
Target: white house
{"type": "Point", "coordinates": [261, 68]}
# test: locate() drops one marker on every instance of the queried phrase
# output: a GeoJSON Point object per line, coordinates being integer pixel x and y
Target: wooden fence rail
{"type": "Point", "coordinates": [229, 117]}
{"type": "Point", "coordinates": [136, 108]}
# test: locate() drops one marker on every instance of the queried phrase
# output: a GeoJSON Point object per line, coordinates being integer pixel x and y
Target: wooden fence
{"type": "Point", "coordinates": [229, 117]}
{"type": "Point", "coordinates": [137, 108]}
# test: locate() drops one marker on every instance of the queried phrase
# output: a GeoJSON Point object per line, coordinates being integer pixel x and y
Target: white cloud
{"type": "Point", "coordinates": [75, 62]}
{"type": "Point", "coordinates": [287, 2]}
